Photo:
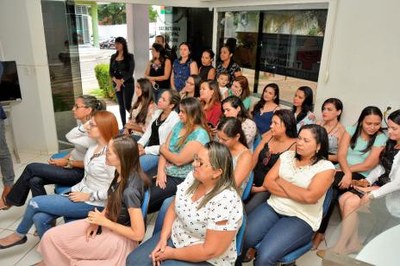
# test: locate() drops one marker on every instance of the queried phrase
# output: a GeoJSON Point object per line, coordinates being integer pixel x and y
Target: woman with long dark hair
{"type": "Point", "coordinates": [303, 107]}
{"type": "Point", "coordinates": [158, 70]}
{"type": "Point", "coordinates": [240, 88]}
{"type": "Point", "coordinates": [381, 189]}
{"type": "Point", "coordinates": [358, 154]}
{"type": "Point", "coordinates": [192, 87]}
{"type": "Point", "coordinates": [142, 110]}
{"type": "Point", "coordinates": [265, 107]}
{"type": "Point", "coordinates": [122, 66]}
{"type": "Point", "coordinates": [120, 224]}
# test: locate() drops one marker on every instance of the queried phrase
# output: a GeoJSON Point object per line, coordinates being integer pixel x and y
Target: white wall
{"type": "Point", "coordinates": [22, 39]}
{"type": "Point", "coordinates": [360, 62]}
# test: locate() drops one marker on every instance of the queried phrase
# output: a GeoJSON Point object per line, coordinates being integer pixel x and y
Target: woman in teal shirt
{"type": "Point", "coordinates": [358, 154]}
{"type": "Point", "coordinates": [240, 88]}
{"type": "Point", "coordinates": [185, 140]}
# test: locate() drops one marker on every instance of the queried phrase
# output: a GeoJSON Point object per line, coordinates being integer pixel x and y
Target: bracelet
{"type": "Point", "coordinates": [69, 164]}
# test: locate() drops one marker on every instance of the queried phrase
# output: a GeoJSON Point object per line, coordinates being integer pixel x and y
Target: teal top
{"type": "Point", "coordinates": [355, 156]}
{"type": "Point", "coordinates": [246, 102]}
{"type": "Point", "coordinates": [199, 134]}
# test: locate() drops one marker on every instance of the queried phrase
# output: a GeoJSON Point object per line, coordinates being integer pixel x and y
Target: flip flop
{"type": "Point", "coordinates": [19, 242]}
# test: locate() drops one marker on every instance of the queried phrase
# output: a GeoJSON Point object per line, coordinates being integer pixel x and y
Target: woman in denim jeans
{"type": "Point", "coordinates": [85, 196]}
{"type": "Point", "coordinates": [65, 171]}
{"type": "Point", "coordinates": [298, 182]}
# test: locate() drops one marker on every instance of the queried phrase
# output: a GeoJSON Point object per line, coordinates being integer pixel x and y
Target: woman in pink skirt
{"type": "Point", "coordinates": [107, 237]}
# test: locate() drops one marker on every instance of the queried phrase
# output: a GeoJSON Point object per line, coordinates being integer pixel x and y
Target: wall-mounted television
{"type": "Point", "coordinates": [9, 83]}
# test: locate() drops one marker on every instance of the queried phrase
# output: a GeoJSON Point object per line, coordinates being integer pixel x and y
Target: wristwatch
{"type": "Point", "coordinates": [69, 164]}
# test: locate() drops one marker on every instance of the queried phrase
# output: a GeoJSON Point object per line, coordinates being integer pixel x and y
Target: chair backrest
{"type": "Point", "coordinates": [327, 201]}
{"type": "Point", "coordinates": [257, 140]}
{"type": "Point", "coordinates": [240, 235]}
{"type": "Point", "coordinates": [247, 189]}
{"type": "Point", "coordinates": [145, 204]}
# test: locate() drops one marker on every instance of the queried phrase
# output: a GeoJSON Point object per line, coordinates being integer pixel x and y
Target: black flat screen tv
{"type": "Point", "coordinates": [9, 83]}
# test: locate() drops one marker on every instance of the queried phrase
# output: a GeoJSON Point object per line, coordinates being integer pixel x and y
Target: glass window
{"type": "Point", "coordinates": [285, 49]}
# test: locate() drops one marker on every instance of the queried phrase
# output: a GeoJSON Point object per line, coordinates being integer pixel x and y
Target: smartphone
{"type": "Point", "coordinates": [66, 194]}
{"type": "Point", "coordinates": [357, 192]}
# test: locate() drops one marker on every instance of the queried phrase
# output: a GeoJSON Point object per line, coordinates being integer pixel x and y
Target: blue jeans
{"type": "Point", "coordinates": [140, 255]}
{"type": "Point", "coordinates": [42, 210]}
{"type": "Point", "coordinates": [149, 164]}
{"type": "Point", "coordinates": [276, 235]}
{"type": "Point", "coordinates": [36, 175]}
{"type": "Point", "coordinates": [6, 163]}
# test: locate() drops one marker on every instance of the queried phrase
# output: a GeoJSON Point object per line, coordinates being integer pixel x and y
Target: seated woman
{"type": "Point", "coordinates": [331, 112]}
{"type": "Point", "coordinates": [240, 88]}
{"type": "Point", "coordinates": [65, 171]}
{"type": "Point", "coordinates": [298, 183]}
{"type": "Point", "coordinates": [208, 193]}
{"type": "Point", "coordinates": [265, 107]}
{"type": "Point", "coordinates": [332, 109]}
{"type": "Point", "coordinates": [142, 110]}
{"type": "Point", "coordinates": [211, 101]}
{"type": "Point", "coordinates": [192, 87]}
{"type": "Point", "coordinates": [358, 154]}
{"type": "Point", "coordinates": [119, 225]}
{"type": "Point", "coordinates": [383, 180]}
{"type": "Point", "coordinates": [303, 106]}
{"type": "Point", "coordinates": [176, 154]}
{"type": "Point", "coordinates": [281, 138]}
{"type": "Point", "coordinates": [231, 134]}
{"type": "Point", "coordinates": [164, 119]}
{"type": "Point", "coordinates": [232, 106]}
{"type": "Point", "coordinates": [85, 196]}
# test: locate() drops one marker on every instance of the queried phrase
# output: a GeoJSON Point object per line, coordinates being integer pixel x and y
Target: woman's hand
{"type": "Point", "coordinates": [160, 248]}
{"type": "Point", "coordinates": [91, 231]}
{"type": "Point", "coordinates": [98, 218]}
{"type": "Point", "coordinates": [161, 180]}
{"type": "Point", "coordinates": [346, 181]}
{"type": "Point", "coordinates": [58, 162]}
{"type": "Point", "coordinates": [141, 150]}
{"type": "Point", "coordinates": [78, 196]}
{"type": "Point", "coordinates": [255, 189]}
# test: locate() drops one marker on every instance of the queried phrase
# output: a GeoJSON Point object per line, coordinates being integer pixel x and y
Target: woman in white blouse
{"type": "Point", "coordinates": [85, 196]}
{"type": "Point", "coordinates": [298, 182]}
{"type": "Point", "coordinates": [201, 223]}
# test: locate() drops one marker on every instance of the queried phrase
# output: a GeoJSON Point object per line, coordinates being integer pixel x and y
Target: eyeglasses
{"type": "Point", "coordinates": [189, 83]}
{"type": "Point", "coordinates": [75, 106]}
{"type": "Point", "coordinates": [198, 162]}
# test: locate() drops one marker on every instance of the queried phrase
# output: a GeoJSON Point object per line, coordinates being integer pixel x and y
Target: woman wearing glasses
{"type": "Point", "coordinates": [85, 196]}
{"type": "Point", "coordinates": [65, 171]}
{"type": "Point", "coordinates": [202, 221]}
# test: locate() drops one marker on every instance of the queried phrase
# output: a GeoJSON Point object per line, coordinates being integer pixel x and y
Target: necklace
{"type": "Point", "coordinates": [159, 120]}
{"type": "Point", "coordinates": [330, 131]}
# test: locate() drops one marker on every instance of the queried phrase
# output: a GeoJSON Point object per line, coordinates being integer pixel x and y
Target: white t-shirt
{"type": "Point", "coordinates": [301, 177]}
{"type": "Point", "coordinates": [190, 225]}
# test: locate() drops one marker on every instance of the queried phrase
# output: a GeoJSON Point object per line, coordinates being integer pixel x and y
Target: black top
{"type": "Point", "coordinates": [157, 71]}
{"type": "Point", "coordinates": [266, 160]}
{"type": "Point", "coordinates": [204, 72]}
{"type": "Point", "coordinates": [154, 137]}
{"type": "Point", "coordinates": [132, 197]}
{"type": "Point", "coordinates": [122, 69]}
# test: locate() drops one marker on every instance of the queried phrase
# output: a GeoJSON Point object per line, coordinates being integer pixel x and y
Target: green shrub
{"type": "Point", "coordinates": [104, 80]}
